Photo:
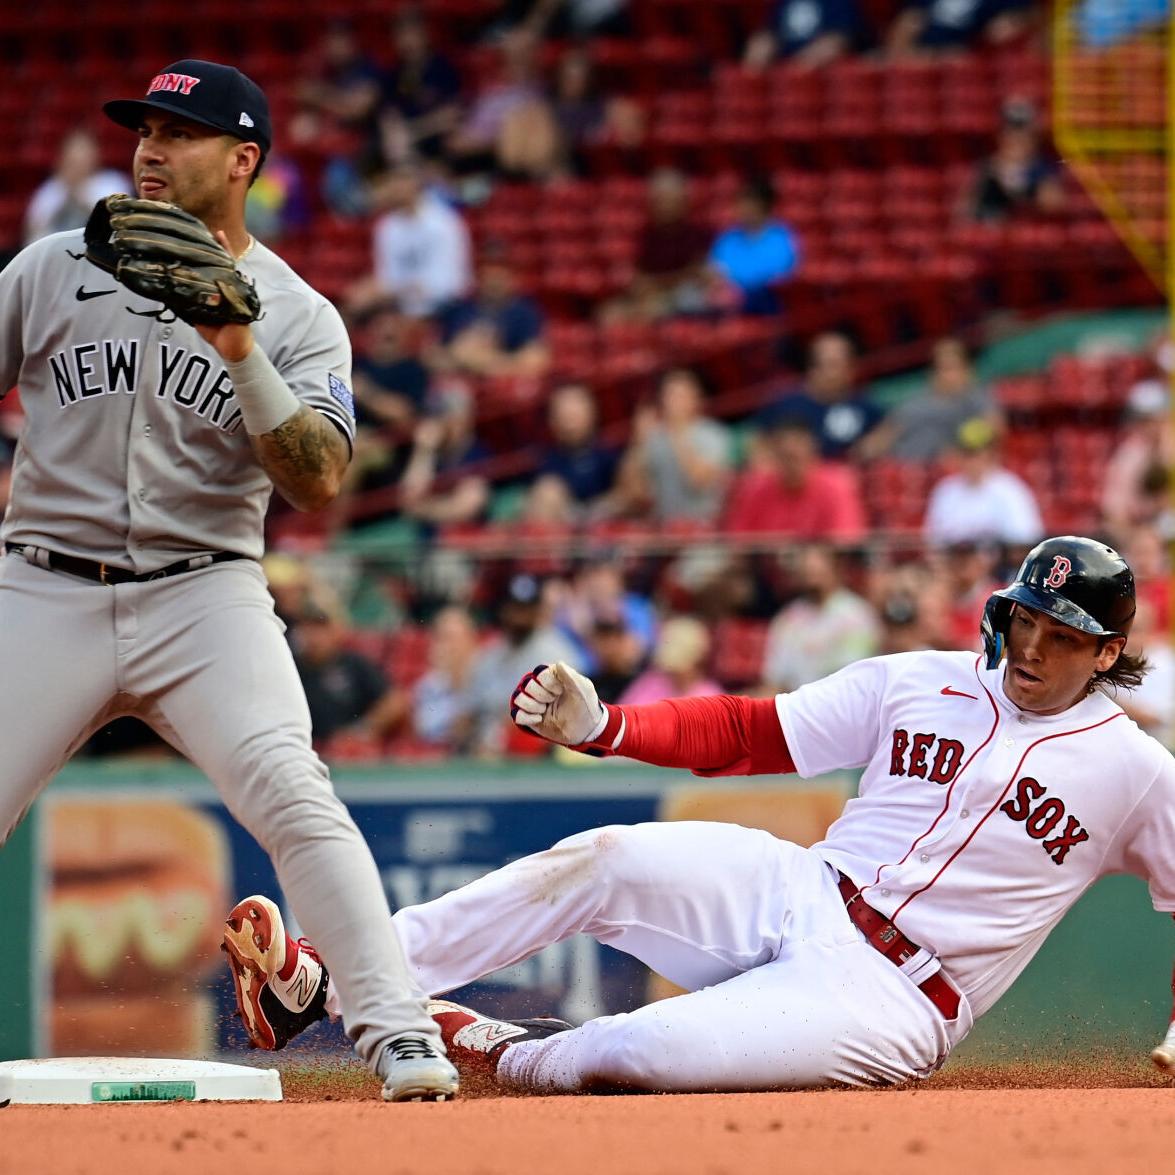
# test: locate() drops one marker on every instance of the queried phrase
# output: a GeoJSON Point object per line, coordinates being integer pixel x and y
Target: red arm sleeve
{"type": "Point", "coordinates": [722, 735]}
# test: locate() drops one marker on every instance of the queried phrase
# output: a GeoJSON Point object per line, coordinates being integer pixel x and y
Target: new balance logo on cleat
{"type": "Point", "coordinates": [280, 984]}
{"type": "Point", "coordinates": [485, 1035]}
{"type": "Point", "coordinates": [477, 1042]}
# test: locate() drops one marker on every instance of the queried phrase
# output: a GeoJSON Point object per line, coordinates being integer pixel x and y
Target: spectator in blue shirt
{"type": "Point", "coordinates": [757, 252]}
{"type": "Point", "coordinates": [946, 25]}
{"type": "Point", "coordinates": [496, 331]}
{"type": "Point", "coordinates": [827, 401]}
{"type": "Point", "coordinates": [805, 32]}
{"type": "Point", "coordinates": [1108, 22]}
{"type": "Point", "coordinates": [576, 454]}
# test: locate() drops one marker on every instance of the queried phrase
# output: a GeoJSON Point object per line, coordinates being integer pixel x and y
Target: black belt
{"type": "Point", "coordinates": [882, 935]}
{"type": "Point", "coordinates": [105, 573]}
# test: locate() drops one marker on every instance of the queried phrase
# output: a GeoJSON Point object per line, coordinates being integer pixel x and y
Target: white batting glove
{"type": "Point", "coordinates": [558, 704]}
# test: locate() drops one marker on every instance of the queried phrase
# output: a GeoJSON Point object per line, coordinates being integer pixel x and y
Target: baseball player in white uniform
{"type": "Point", "coordinates": [130, 583]}
{"type": "Point", "coordinates": [995, 790]}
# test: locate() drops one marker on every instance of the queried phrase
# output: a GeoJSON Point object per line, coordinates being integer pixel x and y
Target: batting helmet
{"type": "Point", "coordinates": [1077, 581]}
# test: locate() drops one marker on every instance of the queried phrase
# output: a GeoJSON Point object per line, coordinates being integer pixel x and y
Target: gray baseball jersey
{"type": "Point", "coordinates": [134, 452]}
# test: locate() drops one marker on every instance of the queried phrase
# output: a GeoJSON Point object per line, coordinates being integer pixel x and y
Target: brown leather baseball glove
{"type": "Point", "coordinates": [168, 255]}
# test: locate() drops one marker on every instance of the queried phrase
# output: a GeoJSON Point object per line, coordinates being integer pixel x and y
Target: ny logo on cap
{"type": "Point", "coordinates": [244, 120]}
{"type": "Point", "coordinates": [172, 83]}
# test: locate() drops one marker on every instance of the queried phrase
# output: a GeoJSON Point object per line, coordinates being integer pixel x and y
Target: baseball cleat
{"type": "Point", "coordinates": [1164, 1054]}
{"type": "Point", "coordinates": [477, 1042]}
{"type": "Point", "coordinates": [414, 1070]}
{"type": "Point", "coordinates": [280, 984]}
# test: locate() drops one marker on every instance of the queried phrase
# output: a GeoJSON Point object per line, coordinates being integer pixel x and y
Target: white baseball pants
{"type": "Point", "coordinates": [783, 989]}
{"type": "Point", "coordinates": [201, 657]}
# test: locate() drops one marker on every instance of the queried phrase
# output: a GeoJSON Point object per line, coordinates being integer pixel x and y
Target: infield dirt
{"type": "Point", "coordinates": [971, 1121]}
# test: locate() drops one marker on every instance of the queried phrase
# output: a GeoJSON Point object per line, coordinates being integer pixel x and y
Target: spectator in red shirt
{"type": "Point", "coordinates": [793, 492]}
{"type": "Point", "coordinates": [671, 252]}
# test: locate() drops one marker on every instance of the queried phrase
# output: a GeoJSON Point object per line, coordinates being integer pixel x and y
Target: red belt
{"type": "Point", "coordinates": [882, 935]}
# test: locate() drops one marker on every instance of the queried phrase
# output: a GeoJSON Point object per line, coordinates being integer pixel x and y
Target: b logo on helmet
{"type": "Point", "coordinates": [1059, 572]}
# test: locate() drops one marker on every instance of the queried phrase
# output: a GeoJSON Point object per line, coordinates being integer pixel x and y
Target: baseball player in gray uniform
{"type": "Point", "coordinates": [130, 583]}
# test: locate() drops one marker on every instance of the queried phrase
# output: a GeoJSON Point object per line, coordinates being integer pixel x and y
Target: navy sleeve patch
{"type": "Point", "coordinates": [340, 392]}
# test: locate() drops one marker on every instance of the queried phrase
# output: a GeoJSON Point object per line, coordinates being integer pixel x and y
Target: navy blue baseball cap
{"type": "Point", "coordinates": [206, 92]}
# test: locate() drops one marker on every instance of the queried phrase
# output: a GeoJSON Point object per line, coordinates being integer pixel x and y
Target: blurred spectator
{"type": "Point", "coordinates": [276, 203]}
{"type": "Point", "coordinates": [617, 657]}
{"type": "Point", "coordinates": [527, 638]}
{"type": "Point", "coordinates": [670, 255]}
{"type": "Point", "coordinates": [346, 692]}
{"type": "Point", "coordinates": [442, 702]}
{"type": "Point", "coordinates": [827, 399]}
{"type": "Point", "coordinates": [341, 88]}
{"type": "Point", "coordinates": [679, 461]}
{"type": "Point", "coordinates": [127, 737]}
{"type": "Point", "coordinates": [912, 607]}
{"type": "Point", "coordinates": [338, 92]}
{"type": "Point", "coordinates": [1135, 490]}
{"type": "Point", "coordinates": [561, 19]}
{"type": "Point", "coordinates": [548, 504]}
{"type": "Point", "coordinates": [982, 502]}
{"type": "Point", "coordinates": [495, 331]}
{"type": "Point", "coordinates": [1102, 23]}
{"type": "Point", "coordinates": [391, 387]}
{"type": "Point", "coordinates": [791, 491]}
{"type": "Point", "coordinates": [924, 427]}
{"type": "Point", "coordinates": [1152, 704]}
{"type": "Point", "coordinates": [291, 584]}
{"type": "Point", "coordinates": [510, 126]}
{"type": "Point", "coordinates": [598, 591]}
{"type": "Point", "coordinates": [1146, 552]}
{"type": "Point", "coordinates": [757, 252]}
{"type": "Point", "coordinates": [954, 25]}
{"type": "Point", "coordinates": [1018, 176]}
{"type": "Point", "coordinates": [575, 452]}
{"type": "Point", "coordinates": [438, 486]}
{"type": "Point", "coordinates": [679, 665]}
{"type": "Point", "coordinates": [805, 32]}
{"type": "Point", "coordinates": [420, 105]}
{"type": "Point", "coordinates": [825, 628]}
{"type": "Point", "coordinates": [968, 571]}
{"type": "Point", "coordinates": [581, 114]}
{"type": "Point", "coordinates": [66, 199]}
{"type": "Point", "coordinates": [391, 383]}
{"type": "Point", "coordinates": [420, 247]}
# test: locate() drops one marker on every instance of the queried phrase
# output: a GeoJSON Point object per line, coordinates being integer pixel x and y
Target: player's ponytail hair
{"type": "Point", "coordinates": [1126, 673]}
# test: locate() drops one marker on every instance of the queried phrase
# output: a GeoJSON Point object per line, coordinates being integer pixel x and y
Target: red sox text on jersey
{"type": "Point", "coordinates": [937, 760]}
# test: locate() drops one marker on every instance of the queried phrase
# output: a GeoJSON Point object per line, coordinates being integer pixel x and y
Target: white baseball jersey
{"type": "Point", "coordinates": [977, 825]}
{"type": "Point", "coordinates": [134, 451]}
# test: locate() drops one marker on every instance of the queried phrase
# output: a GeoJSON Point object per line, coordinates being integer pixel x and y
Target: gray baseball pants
{"type": "Point", "coordinates": [201, 658]}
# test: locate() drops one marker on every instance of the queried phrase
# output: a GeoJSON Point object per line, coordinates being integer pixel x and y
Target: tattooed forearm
{"type": "Point", "coordinates": [305, 457]}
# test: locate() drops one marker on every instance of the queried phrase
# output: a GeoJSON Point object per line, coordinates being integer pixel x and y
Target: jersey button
{"type": "Point", "coordinates": [965, 813]}
{"type": "Point", "coordinates": [885, 893]}
{"type": "Point", "coordinates": [166, 332]}
{"type": "Point", "coordinates": [1009, 742]}
{"type": "Point", "coordinates": [924, 858]}
{"type": "Point", "coordinates": [142, 495]}
{"type": "Point", "coordinates": [146, 430]}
